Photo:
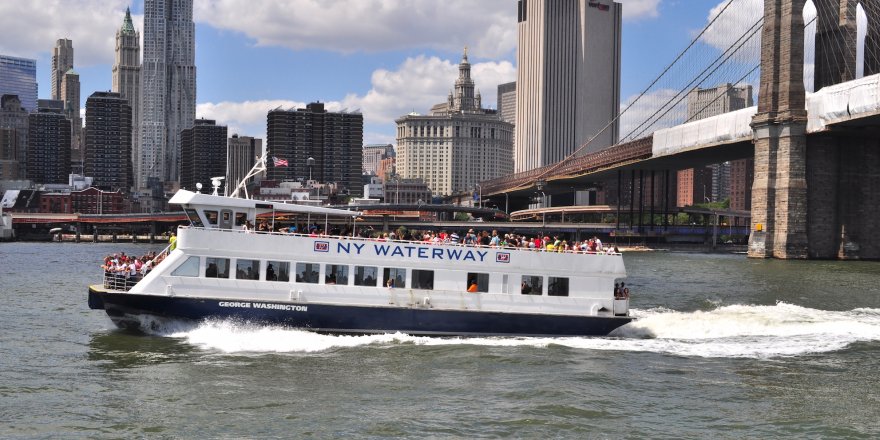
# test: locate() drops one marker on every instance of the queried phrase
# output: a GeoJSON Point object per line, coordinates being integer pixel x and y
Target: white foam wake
{"type": "Point", "coordinates": [728, 331]}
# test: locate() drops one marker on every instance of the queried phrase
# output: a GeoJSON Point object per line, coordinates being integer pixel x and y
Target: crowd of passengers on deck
{"type": "Point", "coordinates": [539, 242]}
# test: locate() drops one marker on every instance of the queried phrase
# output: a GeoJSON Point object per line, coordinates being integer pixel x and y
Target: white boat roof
{"type": "Point", "coordinates": [184, 197]}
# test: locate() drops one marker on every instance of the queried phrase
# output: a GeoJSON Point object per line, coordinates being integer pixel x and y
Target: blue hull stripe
{"type": "Point", "coordinates": [353, 319]}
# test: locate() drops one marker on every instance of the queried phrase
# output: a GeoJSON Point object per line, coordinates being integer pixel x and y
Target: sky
{"type": "Point", "coordinates": [386, 58]}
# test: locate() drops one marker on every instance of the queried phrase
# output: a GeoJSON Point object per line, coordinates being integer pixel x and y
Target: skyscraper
{"type": "Point", "coordinates": [568, 79]}
{"type": "Point", "coordinates": [108, 141]}
{"type": "Point", "coordinates": [48, 157]}
{"type": "Point", "coordinates": [202, 154]}
{"type": "Point", "coordinates": [18, 76]}
{"type": "Point", "coordinates": [332, 140]}
{"type": "Point", "coordinates": [168, 102]}
{"type": "Point", "coordinates": [62, 61]}
{"type": "Point", "coordinates": [241, 155]}
{"type": "Point", "coordinates": [458, 145]}
{"type": "Point", "coordinates": [507, 102]}
{"type": "Point", "coordinates": [127, 82]}
{"type": "Point", "coordinates": [373, 155]}
{"type": "Point", "coordinates": [14, 117]}
{"type": "Point", "coordinates": [70, 101]}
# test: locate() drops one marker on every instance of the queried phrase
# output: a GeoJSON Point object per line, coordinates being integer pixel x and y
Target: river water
{"type": "Point", "coordinates": [724, 347]}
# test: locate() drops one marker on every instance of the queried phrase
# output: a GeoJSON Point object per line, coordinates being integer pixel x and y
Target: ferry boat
{"type": "Point", "coordinates": [352, 285]}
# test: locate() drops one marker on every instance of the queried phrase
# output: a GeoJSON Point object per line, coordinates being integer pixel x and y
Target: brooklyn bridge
{"type": "Point", "coordinates": [815, 190]}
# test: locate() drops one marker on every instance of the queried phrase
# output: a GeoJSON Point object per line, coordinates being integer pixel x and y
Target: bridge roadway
{"type": "Point", "coordinates": [850, 108]}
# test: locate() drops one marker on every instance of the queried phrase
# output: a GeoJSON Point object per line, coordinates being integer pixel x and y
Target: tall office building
{"type": "Point", "coordinates": [14, 117]}
{"type": "Point", "coordinates": [703, 103]}
{"type": "Point", "coordinates": [18, 76]}
{"type": "Point", "coordinates": [48, 156]}
{"type": "Point", "coordinates": [458, 145]}
{"type": "Point", "coordinates": [168, 99]}
{"type": "Point", "coordinates": [70, 100]}
{"type": "Point", "coordinates": [241, 155]}
{"type": "Point", "coordinates": [108, 141]}
{"type": "Point", "coordinates": [507, 102]}
{"type": "Point", "coordinates": [127, 82]}
{"type": "Point", "coordinates": [326, 146]}
{"type": "Point", "coordinates": [373, 156]}
{"type": "Point", "coordinates": [8, 163]}
{"type": "Point", "coordinates": [203, 154]}
{"type": "Point", "coordinates": [568, 79]}
{"type": "Point", "coordinates": [62, 61]}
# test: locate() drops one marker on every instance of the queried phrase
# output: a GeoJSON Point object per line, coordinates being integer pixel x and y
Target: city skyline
{"type": "Point", "coordinates": [399, 59]}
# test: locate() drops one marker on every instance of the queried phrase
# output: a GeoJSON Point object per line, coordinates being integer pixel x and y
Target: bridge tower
{"type": "Point", "coordinates": [779, 192]}
{"type": "Point", "coordinates": [816, 197]}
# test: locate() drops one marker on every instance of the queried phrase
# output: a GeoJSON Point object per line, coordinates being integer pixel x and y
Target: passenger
{"type": "Point", "coordinates": [473, 286]}
{"type": "Point", "coordinates": [525, 288]}
{"type": "Point", "coordinates": [390, 283]}
{"type": "Point", "coordinates": [172, 242]}
{"type": "Point", "coordinates": [247, 226]}
{"type": "Point", "coordinates": [495, 241]}
{"type": "Point", "coordinates": [470, 239]}
{"type": "Point", "coordinates": [484, 239]}
{"type": "Point", "coordinates": [616, 290]}
{"type": "Point", "coordinates": [211, 271]}
{"type": "Point", "coordinates": [270, 273]}
{"type": "Point", "coordinates": [624, 291]}
{"type": "Point", "coordinates": [453, 238]}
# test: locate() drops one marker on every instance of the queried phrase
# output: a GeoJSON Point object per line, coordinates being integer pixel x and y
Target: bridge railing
{"type": "Point", "coordinates": [634, 150]}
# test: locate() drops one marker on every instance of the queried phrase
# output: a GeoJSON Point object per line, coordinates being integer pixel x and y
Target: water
{"type": "Point", "coordinates": [725, 347]}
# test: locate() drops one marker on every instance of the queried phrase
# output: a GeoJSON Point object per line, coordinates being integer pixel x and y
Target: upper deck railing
{"type": "Point", "coordinates": [419, 242]}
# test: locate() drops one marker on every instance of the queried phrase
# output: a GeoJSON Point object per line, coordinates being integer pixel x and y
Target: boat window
{"type": "Point", "coordinates": [422, 279]}
{"type": "Point", "coordinates": [532, 285]}
{"type": "Point", "coordinates": [247, 269]}
{"type": "Point", "coordinates": [396, 276]}
{"type": "Point", "coordinates": [240, 218]}
{"type": "Point", "coordinates": [480, 279]}
{"type": "Point", "coordinates": [193, 217]}
{"type": "Point", "coordinates": [365, 276]}
{"type": "Point", "coordinates": [277, 271]}
{"type": "Point", "coordinates": [557, 286]}
{"type": "Point", "coordinates": [216, 267]}
{"type": "Point", "coordinates": [211, 216]}
{"type": "Point", "coordinates": [504, 287]}
{"type": "Point", "coordinates": [189, 268]}
{"type": "Point", "coordinates": [336, 274]}
{"type": "Point", "coordinates": [307, 272]}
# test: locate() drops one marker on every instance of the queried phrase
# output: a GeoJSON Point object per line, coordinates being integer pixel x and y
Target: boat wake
{"type": "Point", "coordinates": [747, 331]}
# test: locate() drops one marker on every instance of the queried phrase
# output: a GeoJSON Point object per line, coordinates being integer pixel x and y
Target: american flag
{"type": "Point", "coordinates": [279, 162]}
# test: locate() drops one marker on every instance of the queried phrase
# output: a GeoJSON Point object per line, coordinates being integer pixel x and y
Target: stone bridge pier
{"type": "Point", "coordinates": [816, 197]}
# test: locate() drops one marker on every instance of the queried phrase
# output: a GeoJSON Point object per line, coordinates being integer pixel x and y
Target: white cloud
{"type": "Point", "coordinates": [487, 26]}
{"type": "Point", "coordinates": [29, 28]}
{"type": "Point", "coordinates": [729, 27]}
{"type": "Point", "coordinates": [637, 9]}
{"type": "Point", "coordinates": [246, 118]}
{"type": "Point", "coordinates": [416, 85]}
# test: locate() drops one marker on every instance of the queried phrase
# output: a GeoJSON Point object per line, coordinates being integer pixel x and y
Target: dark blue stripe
{"type": "Point", "coordinates": [358, 319]}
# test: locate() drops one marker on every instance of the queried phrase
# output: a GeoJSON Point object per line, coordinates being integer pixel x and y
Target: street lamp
{"type": "Point", "coordinates": [479, 195]}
